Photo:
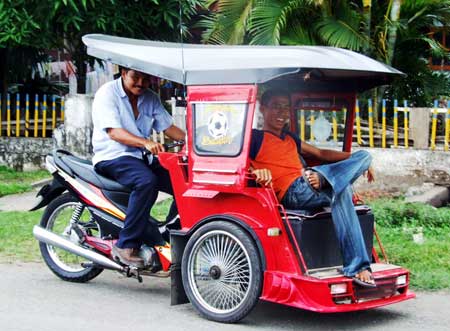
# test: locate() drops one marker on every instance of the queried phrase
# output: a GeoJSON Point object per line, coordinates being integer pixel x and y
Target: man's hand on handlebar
{"type": "Point", "coordinates": [154, 147]}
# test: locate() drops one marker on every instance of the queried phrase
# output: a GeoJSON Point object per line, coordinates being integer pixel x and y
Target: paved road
{"type": "Point", "coordinates": [32, 298]}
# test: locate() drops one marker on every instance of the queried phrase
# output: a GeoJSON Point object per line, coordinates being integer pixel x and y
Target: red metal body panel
{"type": "Point", "coordinates": [314, 294]}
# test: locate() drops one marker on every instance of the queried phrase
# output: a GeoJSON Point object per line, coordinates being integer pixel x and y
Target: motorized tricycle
{"type": "Point", "coordinates": [232, 242]}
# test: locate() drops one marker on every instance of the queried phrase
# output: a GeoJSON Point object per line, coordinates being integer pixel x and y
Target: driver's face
{"type": "Point", "coordinates": [135, 82]}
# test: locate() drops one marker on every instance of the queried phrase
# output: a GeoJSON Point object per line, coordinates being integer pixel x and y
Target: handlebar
{"type": "Point", "coordinates": [176, 143]}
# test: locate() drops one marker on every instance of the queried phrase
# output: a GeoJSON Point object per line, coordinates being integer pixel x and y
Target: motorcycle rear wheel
{"type": "Point", "coordinates": [56, 218]}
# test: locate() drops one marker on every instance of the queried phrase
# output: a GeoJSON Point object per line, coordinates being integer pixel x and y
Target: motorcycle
{"type": "Point", "coordinates": [84, 214]}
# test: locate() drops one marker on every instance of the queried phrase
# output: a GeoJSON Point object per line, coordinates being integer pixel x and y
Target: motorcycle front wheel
{"type": "Point", "coordinates": [59, 217]}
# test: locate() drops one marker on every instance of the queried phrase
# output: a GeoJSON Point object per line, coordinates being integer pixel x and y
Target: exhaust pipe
{"type": "Point", "coordinates": [53, 239]}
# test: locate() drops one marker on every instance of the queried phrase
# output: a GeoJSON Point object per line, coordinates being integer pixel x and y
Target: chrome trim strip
{"type": "Point", "coordinates": [205, 181]}
{"type": "Point", "coordinates": [226, 171]}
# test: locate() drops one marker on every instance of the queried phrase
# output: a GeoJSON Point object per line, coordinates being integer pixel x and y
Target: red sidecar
{"type": "Point", "coordinates": [237, 243]}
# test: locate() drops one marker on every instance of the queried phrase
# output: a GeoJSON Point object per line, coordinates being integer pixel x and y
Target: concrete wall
{"type": "Point", "coordinates": [24, 153]}
{"type": "Point", "coordinates": [76, 133]}
{"type": "Point", "coordinates": [397, 169]}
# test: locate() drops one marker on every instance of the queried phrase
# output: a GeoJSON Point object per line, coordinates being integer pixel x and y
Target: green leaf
{"type": "Point", "coordinates": [340, 34]}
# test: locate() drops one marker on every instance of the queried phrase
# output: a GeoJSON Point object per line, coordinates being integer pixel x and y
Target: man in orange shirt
{"type": "Point", "coordinates": [275, 160]}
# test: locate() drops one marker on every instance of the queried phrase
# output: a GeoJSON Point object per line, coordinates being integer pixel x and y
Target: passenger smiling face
{"type": "Point", "coordinates": [276, 113]}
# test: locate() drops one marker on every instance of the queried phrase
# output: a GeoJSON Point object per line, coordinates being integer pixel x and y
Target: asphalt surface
{"type": "Point", "coordinates": [32, 298]}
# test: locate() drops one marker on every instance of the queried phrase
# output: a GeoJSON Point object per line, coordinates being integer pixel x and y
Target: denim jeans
{"type": "Point", "coordinates": [340, 175]}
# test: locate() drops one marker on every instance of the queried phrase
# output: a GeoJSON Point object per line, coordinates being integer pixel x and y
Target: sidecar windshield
{"type": "Point", "coordinates": [219, 128]}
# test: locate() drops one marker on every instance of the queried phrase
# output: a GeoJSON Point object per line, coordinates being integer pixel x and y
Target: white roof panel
{"type": "Point", "coordinates": [210, 64]}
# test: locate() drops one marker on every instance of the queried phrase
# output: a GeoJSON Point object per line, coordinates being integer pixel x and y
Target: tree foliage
{"type": "Point", "coordinates": [395, 32]}
{"type": "Point", "coordinates": [46, 24]}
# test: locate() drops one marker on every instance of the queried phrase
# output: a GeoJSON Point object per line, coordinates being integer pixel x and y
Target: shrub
{"type": "Point", "coordinates": [397, 213]}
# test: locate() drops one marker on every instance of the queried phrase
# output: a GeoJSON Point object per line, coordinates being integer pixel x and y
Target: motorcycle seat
{"type": "Point", "coordinates": [85, 170]}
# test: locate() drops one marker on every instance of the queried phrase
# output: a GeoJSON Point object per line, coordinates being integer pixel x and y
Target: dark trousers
{"type": "Point", "coordinates": [144, 181]}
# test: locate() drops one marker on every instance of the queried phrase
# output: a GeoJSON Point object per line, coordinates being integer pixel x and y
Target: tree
{"type": "Point", "coordinates": [393, 31]}
{"type": "Point", "coordinates": [46, 24]}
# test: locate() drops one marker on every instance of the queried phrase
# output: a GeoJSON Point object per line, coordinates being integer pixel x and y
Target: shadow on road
{"type": "Point", "coordinates": [267, 313]}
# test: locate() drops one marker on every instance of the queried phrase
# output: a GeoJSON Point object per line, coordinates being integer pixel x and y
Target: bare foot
{"type": "Point", "coordinates": [365, 278]}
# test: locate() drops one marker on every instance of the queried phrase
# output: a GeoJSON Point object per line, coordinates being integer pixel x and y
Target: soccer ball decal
{"type": "Point", "coordinates": [218, 125]}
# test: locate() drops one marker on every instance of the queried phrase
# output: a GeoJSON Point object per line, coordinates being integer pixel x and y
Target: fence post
{"type": "Point", "coordinates": [383, 124]}
{"type": "Point", "coordinates": [27, 114]}
{"type": "Point", "coordinates": [302, 124]}
{"type": "Point", "coordinates": [395, 123]}
{"type": "Point", "coordinates": [44, 116]}
{"type": "Point", "coordinates": [358, 124]}
{"type": "Point", "coordinates": [17, 115]}
{"type": "Point", "coordinates": [8, 115]}
{"type": "Point", "coordinates": [434, 126]}
{"type": "Point", "coordinates": [447, 128]}
{"type": "Point", "coordinates": [335, 127]}
{"type": "Point", "coordinates": [370, 110]}
{"type": "Point", "coordinates": [406, 113]}
{"type": "Point", "coordinates": [53, 112]}
{"type": "Point", "coordinates": [36, 114]}
{"type": "Point", "coordinates": [62, 109]}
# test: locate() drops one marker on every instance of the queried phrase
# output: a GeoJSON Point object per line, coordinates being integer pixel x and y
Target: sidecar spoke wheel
{"type": "Point", "coordinates": [222, 272]}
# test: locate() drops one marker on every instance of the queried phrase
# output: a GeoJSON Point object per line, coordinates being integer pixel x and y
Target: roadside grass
{"type": "Point", "coordinates": [428, 262]}
{"type": "Point", "coordinates": [161, 209]}
{"type": "Point", "coordinates": [16, 237]}
{"type": "Point", "coordinates": [12, 182]}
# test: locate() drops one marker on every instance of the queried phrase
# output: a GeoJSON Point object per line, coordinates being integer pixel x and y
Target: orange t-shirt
{"type": "Point", "coordinates": [279, 155]}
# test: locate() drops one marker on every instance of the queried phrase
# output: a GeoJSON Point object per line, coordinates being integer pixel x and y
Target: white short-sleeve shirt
{"type": "Point", "coordinates": [112, 109]}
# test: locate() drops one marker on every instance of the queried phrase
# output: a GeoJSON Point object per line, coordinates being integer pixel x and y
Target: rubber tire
{"type": "Point", "coordinates": [77, 277]}
{"type": "Point", "coordinates": [252, 251]}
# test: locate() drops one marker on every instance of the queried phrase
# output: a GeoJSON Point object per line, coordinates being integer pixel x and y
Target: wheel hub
{"type": "Point", "coordinates": [215, 272]}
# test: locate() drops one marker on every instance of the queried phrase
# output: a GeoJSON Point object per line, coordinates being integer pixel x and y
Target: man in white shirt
{"type": "Point", "coordinates": [124, 113]}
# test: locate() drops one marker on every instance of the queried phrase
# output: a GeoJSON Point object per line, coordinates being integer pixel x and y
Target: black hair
{"type": "Point", "coordinates": [276, 92]}
{"type": "Point", "coordinates": [123, 68]}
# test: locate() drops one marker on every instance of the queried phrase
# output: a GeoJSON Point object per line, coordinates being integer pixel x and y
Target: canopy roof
{"type": "Point", "coordinates": [211, 65]}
